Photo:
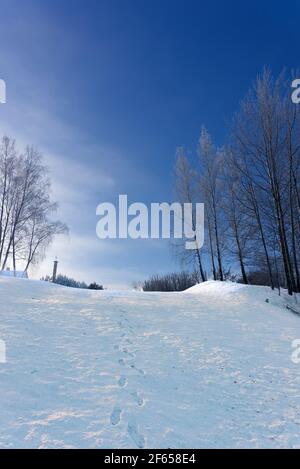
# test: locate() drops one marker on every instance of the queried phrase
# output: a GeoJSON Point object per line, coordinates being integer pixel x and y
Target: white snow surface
{"type": "Point", "coordinates": [207, 368]}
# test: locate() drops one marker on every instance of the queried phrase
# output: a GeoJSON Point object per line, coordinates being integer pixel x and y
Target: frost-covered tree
{"type": "Point", "coordinates": [26, 209]}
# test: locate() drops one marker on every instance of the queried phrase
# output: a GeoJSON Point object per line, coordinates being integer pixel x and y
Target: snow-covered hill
{"type": "Point", "coordinates": [210, 367]}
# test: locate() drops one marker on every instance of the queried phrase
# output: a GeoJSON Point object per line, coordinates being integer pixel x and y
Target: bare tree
{"type": "Point", "coordinates": [242, 228]}
{"type": "Point", "coordinates": [26, 226]}
{"type": "Point", "coordinates": [187, 192]}
{"type": "Point", "coordinates": [251, 190]}
{"type": "Point", "coordinates": [267, 132]}
{"type": "Point", "coordinates": [211, 192]}
{"type": "Point", "coordinates": [9, 162]}
{"type": "Point", "coordinates": [40, 233]}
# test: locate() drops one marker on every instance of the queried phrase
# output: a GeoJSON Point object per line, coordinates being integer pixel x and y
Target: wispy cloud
{"type": "Point", "coordinates": [84, 169]}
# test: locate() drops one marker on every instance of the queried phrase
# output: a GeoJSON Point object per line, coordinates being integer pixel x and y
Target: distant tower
{"type": "Point", "coordinates": [55, 263]}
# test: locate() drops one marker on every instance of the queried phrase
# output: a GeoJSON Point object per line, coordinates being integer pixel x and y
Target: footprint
{"type": "Point", "coordinates": [122, 362]}
{"type": "Point", "coordinates": [141, 372]}
{"type": "Point", "coordinates": [138, 399]}
{"type": "Point", "coordinates": [138, 439]}
{"type": "Point", "coordinates": [130, 354]}
{"type": "Point", "coordinates": [122, 381]}
{"type": "Point", "coordinates": [115, 416]}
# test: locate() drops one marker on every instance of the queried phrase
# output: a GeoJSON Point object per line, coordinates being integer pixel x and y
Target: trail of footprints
{"type": "Point", "coordinates": [127, 361]}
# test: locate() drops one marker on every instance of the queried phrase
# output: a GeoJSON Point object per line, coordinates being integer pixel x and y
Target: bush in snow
{"type": "Point", "coordinates": [95, 286]}
{"type": "Point", "coordinates": [70, 282]}
{"type": "Point", "coordinates": [171, 282]}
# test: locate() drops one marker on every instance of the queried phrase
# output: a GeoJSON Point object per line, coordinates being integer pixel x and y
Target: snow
{"type": "Point", "coordinates": [215, 288]}
{"type": "Point", "coordinates": [210, 367]}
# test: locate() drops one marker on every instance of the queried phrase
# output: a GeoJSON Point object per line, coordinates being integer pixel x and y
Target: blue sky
{"type": "Point", "coordinates": [108, 89]}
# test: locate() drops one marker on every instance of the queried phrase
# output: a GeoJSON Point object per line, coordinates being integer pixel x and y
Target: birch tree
{"type": "Point", "coordinates": [26, 225]}
{"type": "Point", "coordinates": [187, 192]}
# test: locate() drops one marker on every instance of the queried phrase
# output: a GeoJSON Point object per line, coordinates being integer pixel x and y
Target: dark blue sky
{"type": "Point", "coordinates": [109, 89]}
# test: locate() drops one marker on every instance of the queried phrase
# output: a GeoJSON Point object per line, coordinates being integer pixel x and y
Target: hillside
{"type": "Point", "coordinates": [210, 367]}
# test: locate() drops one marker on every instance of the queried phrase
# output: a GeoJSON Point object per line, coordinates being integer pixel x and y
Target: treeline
{"type": "Point", "coordinates": [66, 281]}
{"type": "Point", "coordinates": [171, 282]}
{"type": "Point", "coordinates": [251, 190]}
{"type": "Point", "coordinates": [26, 210]}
